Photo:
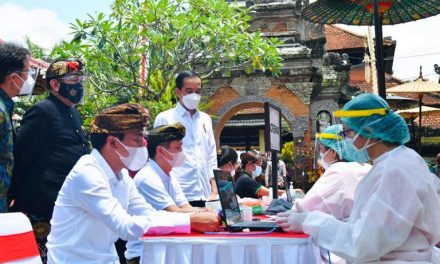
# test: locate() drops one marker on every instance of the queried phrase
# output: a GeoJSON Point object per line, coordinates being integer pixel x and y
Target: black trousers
{"type": "Point", "coordinates": [120, 249]}
{"type": "Point", "coordinates": [199, 203]}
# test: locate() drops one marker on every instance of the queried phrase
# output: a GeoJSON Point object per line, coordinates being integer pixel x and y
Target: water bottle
{"type": "Point", "coordinates": [292, 192]}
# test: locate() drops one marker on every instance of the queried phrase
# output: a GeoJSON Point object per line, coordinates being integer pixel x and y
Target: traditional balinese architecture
{"type": "Point", "coordinates": [343, 41]}
{"type": "Point", "coordinates": [307, 90]}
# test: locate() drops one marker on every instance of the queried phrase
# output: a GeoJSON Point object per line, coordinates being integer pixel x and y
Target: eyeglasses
{"type": "Point", "coordinates": [73, 78]}
{"type": "Point", "coordinates": [30, 71]}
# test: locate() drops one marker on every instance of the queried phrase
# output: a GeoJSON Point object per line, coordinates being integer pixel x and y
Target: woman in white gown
{"type": "Point", "coordinates": [333, 192]}
{"type": "Point", "coordinates": [396, 210]}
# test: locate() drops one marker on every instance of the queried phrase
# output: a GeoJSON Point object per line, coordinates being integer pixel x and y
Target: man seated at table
{"type": "Point", "coordinates": [154, 181]}
{"type": "Point", "coordinates": [98, 201]}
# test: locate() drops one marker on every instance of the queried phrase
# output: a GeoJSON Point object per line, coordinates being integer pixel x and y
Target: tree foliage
{"type": "Point", "coordinates": [166, 36]}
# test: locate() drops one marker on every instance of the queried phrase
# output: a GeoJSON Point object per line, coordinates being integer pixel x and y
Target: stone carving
{"type": "Point", "coordinates": [323, 120]}
{"type": "Point", "coordinates": [319, 106]}
{"type": "Point", "coordinates": [302, 90]}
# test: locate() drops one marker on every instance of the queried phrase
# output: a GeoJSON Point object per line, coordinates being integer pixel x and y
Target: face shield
{"type": "Point", "coordinates": [29, 84]}
{"type": "Point", "coordinates": [359, 123]}
{"type": "Point", "coordinates": [331, 142]}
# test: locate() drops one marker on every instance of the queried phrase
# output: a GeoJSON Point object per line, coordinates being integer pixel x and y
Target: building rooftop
{"type": "Point", "coordinates": [341, 39]}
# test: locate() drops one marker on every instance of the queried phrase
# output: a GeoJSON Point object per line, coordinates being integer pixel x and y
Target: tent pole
{"type": "Point", "coordinates": [379, 50]}
{"type": "Point", "coordinates": [420, 123]}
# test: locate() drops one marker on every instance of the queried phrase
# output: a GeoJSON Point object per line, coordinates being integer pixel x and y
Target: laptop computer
{"type": "Point", "coordinates": [231, 208]}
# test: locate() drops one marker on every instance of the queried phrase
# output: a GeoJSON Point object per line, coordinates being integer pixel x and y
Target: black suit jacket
{"type": "Point", "coordinates": [49, 143]}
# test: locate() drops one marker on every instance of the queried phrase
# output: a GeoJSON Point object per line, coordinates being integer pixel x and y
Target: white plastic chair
{"type": "Point", "coordinates": [17, 240]}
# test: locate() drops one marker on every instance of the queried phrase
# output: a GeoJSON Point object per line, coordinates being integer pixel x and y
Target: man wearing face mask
{"type": "Point", "coordinates": [50, 142]}
{"type": "Point", "coordinates": [14, 72]}
{"type": "Point", "coordinates": [196, 175]}
{"type": "Point", "coordinates": [154, 181]}
{"type": "Point", "coordinates": [99, 202]}
{"type": "Point", "coordinates": [333, 192]}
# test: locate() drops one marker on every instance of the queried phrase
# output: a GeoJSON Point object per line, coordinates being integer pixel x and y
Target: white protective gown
{"type": "Point", "coordinates": [333, 193]}
{"type": "Point", "coordinates": [395, 215]}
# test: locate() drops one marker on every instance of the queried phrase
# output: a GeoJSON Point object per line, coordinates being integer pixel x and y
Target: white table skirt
{"type": "Point", "coordinates": [229, 250]}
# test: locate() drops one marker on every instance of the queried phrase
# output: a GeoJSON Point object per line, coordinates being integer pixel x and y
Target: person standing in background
{"type": "Point", "coordinates": [195, 176]}
{"type": "Point", "coordinates": [50, 142]}
{"type": "Point", "coordinates": [14, 73]}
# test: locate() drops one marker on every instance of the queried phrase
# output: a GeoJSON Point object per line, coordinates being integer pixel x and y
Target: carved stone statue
{"type": "Point", "coordinates": [323, 120]}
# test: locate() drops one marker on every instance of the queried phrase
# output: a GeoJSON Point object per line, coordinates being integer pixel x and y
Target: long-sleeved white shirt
{"type": "Point", "coordinates": [395, 215]}
{"type": "Point", "coordinates": [200, 151]}
{"type": "Point", "coordinates": [94, 207]}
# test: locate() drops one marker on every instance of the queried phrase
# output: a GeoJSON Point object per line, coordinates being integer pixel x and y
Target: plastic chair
{"type": "Point", "coordinates": [17, 240]}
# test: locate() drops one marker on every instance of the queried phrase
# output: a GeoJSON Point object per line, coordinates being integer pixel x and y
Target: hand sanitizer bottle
{"type": "Point", "coordinates": [292, 192]}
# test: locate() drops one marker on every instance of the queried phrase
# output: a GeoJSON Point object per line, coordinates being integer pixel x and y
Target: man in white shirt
{"type": "Point", "coordinates": [154, 182]}
{"type": "Point", "coordinates": [98, 201]}
{"type": "Point", "coordinates": [195, 176]}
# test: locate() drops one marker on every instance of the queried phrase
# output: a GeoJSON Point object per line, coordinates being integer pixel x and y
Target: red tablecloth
{"type": "Point", "coordinates": [232, 235]}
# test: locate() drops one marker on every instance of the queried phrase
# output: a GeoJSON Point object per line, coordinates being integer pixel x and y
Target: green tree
{"type": "Point", "coordinates": [167, 36]}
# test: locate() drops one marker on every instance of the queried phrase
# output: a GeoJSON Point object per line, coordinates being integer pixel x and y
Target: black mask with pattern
{"type": "Point", "coordinates": [73, 92]}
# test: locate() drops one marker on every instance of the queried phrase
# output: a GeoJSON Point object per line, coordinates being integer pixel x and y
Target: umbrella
{"type": "Point", "coordinates": [420, 86]}
{"type": "Point", "coordinates": [369, 12]}
{"type": "Point", "coordinates": [360, 12]}
{"type": "Point", "coordinates": [414, 112]}
{"type": "Point", "coordinates": [400, 102]}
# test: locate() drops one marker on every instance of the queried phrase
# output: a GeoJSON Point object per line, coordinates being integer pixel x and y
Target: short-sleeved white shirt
{"type": "Point", "coordinates": [159, 189]}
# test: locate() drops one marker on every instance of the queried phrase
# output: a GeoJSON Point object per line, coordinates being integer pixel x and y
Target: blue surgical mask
{"type": "Point", "coordinates": [360, 155]}
{"type": "Point", "coordinates": [257, 171]}
{"type": "Point", "coordinates": [355, 154]}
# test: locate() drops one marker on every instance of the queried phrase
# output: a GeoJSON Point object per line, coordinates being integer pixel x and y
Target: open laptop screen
{"type": "Point", "coordinates": [228, 198]}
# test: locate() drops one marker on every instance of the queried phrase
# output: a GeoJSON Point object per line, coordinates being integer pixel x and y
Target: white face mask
{"type": "Point", "coordinates": [136, 159]}
{"type": "Point", "coordinates": [177, 158]}
{"type": "Point", "coordinates": [191, 101]}
{"type": "Point", "coordinates": [324, 163]}
{"type": "Point", "coordinates": [28, 85]}
{"type": "Point", "coordinates": [257, 171]}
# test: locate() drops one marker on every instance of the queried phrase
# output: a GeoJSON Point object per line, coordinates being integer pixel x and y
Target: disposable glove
{"type": "Point", "coordinates": [296, 208]}
{"type": "Point", "coordinates": [291, 221]}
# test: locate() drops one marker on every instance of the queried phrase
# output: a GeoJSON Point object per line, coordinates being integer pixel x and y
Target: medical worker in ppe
{"type": "Point", "coordinates": [396, 210]}
{"type": "Point", "coordinates": [333, 193]}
